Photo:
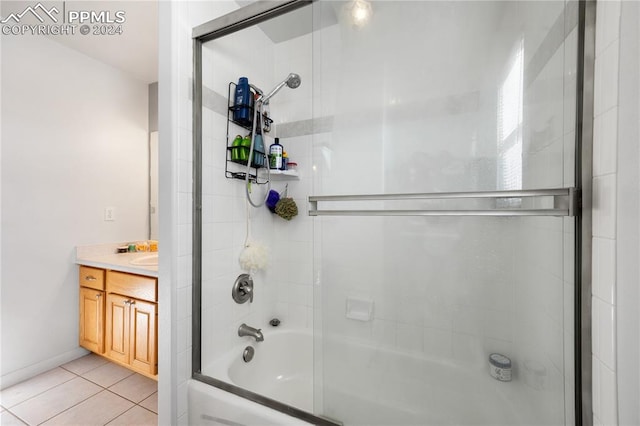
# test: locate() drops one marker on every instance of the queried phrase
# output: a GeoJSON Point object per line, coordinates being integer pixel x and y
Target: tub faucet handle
{"type": "Point", "coordinates": [247, 290]}
{"type": "Point", "coordinates": [242, 290]}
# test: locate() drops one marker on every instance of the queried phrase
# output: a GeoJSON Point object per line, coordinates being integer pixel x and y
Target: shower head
{"type": "Point", "coordinates": [293, 81]}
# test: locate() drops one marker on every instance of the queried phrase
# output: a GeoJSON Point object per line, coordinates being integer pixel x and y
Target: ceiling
{"type": "Point", "coordinates": [135, 51]}
{"type": "Point", "coordinates": [297, 23]}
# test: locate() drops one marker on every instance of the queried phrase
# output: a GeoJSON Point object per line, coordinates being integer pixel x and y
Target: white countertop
{"type": "Point", "coordinates": [104, 256]}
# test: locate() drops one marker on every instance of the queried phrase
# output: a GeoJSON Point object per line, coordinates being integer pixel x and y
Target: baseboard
{"type": "Point", "coordinates": [26, 373]}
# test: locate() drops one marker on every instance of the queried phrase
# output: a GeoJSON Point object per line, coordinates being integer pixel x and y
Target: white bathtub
{"type": "Point", "coordinates": [281, 369]}
{"type": "Point", "coordinates": [365, 385]}
{"type": "Point", "coordinates": [210, 406]}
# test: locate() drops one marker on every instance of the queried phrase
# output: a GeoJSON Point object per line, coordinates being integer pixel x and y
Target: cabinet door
{"type": "Point", "coordinates": [143, 343]}
{"type": "Point", "coordinates": [117, 328]}
{"type": "Point", "coordinates": [92, 319]}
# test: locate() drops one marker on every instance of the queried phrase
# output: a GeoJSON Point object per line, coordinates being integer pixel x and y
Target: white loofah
{"type": "Point", "coordinates": [254, 256]}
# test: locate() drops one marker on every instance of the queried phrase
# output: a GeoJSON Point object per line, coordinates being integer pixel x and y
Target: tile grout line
{"type": "Point", "coordinates": [112, 392]}
{"type": "Point", "coordinates": [16, 416]}
{"type": "Point", "coordinates": [80, 402]}
{"type": "Point", "coordinates": [74, 405]}
{"type": "Point", "coordinates": [37, 395]}
{"type": "Point", "coordinates": [127, 399]}
{"type": "Point", "coordinates": [89, 397]}
{"type": "Point", "coordinates": [46, 390]}
{"type": "Point", "coordinates": [122, 414]}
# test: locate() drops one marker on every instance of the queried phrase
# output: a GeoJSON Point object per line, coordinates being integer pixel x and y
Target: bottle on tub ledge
{"type": "Point", "coordinates": [275, 155]}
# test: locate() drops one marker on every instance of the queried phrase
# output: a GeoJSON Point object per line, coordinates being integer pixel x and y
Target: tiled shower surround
{"type": "Point", "coordinates": [425, 306]}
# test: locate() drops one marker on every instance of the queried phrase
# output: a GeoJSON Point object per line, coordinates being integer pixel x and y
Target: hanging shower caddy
{"type": "Point", "coordinates": [230, 171]}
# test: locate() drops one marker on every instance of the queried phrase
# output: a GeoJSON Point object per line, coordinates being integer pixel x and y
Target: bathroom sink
{"type": "Point", "coordinates": [150, 260]}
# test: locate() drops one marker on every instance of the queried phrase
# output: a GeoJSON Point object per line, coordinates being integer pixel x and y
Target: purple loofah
{"type": "Point", "coordinates": [272, 200]}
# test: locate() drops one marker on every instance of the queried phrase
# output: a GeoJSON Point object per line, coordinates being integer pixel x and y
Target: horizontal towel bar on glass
{"type": "Point", "coordinates": [564, 202]}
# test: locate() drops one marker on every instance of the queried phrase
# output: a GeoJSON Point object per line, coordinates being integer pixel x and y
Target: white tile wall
{"type": "Point", "coordinates": [284, 289]}
{"type": "Point", "coordinates": [604, 213]}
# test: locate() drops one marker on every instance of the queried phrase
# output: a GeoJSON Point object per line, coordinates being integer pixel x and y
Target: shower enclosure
{"type": "Point", "coordinates": [443, 156]}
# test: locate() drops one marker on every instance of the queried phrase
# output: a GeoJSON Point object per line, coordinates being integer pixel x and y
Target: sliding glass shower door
{"type": "Point", "coordinates": [453, 304]}
{"type": "Point", "coordinates": [429, 277]}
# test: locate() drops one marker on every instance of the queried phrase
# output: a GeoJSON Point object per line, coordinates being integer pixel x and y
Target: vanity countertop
{"type": "Point", "coordinates": [104, 256]}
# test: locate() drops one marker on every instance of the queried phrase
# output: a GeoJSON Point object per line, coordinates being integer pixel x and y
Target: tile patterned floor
{"type": "Point", "coordinates": [87, 391]}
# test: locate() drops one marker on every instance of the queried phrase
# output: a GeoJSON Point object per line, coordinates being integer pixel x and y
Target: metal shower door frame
{"type": "Point", "coordinates": [580, 199]}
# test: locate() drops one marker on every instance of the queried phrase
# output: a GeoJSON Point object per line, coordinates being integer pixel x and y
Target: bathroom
{"type": "Point", "coordinates": [77, 128]}
{"type": "Point", "coordinates": [369, 117]}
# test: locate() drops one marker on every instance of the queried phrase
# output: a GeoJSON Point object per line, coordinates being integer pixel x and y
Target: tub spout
{"type": "Point", "coordinates": [245, 330]}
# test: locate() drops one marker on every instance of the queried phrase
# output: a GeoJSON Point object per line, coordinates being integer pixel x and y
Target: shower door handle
{"type": "Point", "coordinates": [531, 202]}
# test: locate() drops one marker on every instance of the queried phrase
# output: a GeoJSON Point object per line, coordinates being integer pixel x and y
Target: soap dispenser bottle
{"type": "Point", "coordinates": [275, 155]}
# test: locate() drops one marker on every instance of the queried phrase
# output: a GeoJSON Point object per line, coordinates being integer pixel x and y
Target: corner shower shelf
{"type": "Point", "coordinates": [284, 175]}
{"type": "Point", "coordinates": [245, 124]}
{"type": "Point", "coordinates": [239, 171]}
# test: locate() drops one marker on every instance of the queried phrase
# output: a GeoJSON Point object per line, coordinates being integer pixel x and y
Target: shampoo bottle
{"type": "Point", "coordinates": [275, 155]}
{"type": "Point", "coordinates": [241, 102]}
{"type": "Point", "coordinates": [258, 151]}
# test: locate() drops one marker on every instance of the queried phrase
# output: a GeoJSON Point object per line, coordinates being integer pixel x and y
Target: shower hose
{"type": "Point", "coordinates": [257, 115]}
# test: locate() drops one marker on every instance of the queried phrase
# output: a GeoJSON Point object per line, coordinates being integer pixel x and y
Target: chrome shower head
{"type": "Point", "coordinates": [292, 81]}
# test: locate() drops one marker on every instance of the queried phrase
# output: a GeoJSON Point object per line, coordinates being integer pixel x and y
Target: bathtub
{"type": "Point", "coordinates": [210, 406]}
{"type": "Point", "coordinates": [366, 385]}
{"type": "Point", "coordinates": [281, 369]}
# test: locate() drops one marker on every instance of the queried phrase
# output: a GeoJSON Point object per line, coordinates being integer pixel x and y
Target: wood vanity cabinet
{"type": "Point", "coordinates": [131, 321]}
{"type": "Point", "coordinates": [92, 309]}
{"type": "Point", "coordinates": [118, 317]}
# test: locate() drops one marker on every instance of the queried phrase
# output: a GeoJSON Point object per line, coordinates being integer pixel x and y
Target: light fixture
{"type": "Point", "coordinates": [360, 12]}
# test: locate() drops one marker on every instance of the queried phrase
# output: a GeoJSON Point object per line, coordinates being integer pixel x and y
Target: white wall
{"type": "Point", "coordinates": [247, 53]}
{"type": "Point", "coordinates": [175, 199]}
{"type": "Point", "coordinates": [605, 130]}
{"type": "Point", "coordinates": [74, 140]}
{"type": "Point", "coordinates": [616, 378]}
{"type": "Point", "coordinates": [283, 290]}
{"type": "Point", "coordinates": [628, 214]}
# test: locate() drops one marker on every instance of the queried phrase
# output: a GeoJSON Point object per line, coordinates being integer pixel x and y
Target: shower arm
{"type": "Point", "coordinates": [292, 80]}
{"type": "Point", "coordinates": [265, 99]}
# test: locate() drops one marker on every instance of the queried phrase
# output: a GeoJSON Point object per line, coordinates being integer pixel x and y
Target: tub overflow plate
{"type": "Point", "coordinates": [248, 353]}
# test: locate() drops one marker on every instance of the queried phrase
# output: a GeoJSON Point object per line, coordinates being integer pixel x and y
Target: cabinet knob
{"type": "Point", "coordinates": [127, 302]}
{"type": "Point", "coordinates": [132, 302]}
{"type": "Point", "coordinates": [90, 278]}
{"type": "Point", "coordinates": [98, 296]}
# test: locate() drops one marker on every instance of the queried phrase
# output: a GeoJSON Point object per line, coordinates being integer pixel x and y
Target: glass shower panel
{"type": "Point", "coordinates": [413, 307]}
{"type": "Point", "coordinates": [467, 96]}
